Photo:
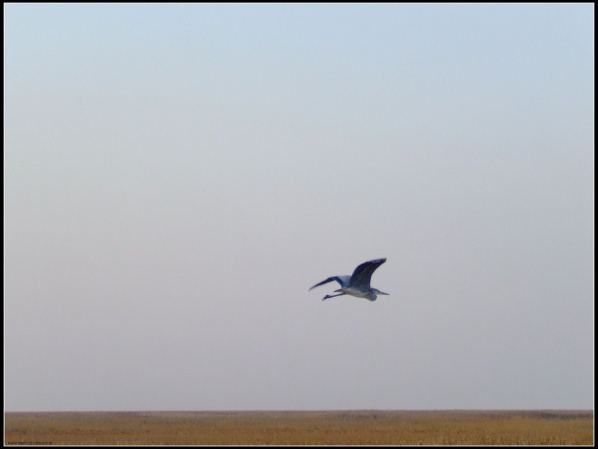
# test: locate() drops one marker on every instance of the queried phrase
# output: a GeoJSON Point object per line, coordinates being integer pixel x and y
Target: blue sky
{"type": "Point", "coordinates": [178, 176]}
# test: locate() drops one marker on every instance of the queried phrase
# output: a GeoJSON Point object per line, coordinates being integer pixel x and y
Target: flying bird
{"type": "Point", "coordinates": [358, 284]}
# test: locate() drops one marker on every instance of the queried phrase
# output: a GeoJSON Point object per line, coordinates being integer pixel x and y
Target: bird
{"type": "Point", "coordinates": [358, 284]}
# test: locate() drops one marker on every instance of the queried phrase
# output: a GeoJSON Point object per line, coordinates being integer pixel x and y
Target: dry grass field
{"type": "Point", "coordinates": [302, 428]}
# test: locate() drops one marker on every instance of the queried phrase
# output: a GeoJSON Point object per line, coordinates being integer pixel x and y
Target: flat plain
{"type": "Point", "coordinates": [367, 427]}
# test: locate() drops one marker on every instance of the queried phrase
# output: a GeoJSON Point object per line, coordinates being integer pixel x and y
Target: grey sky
{"type": "Point", "coordinates": [177, 176]}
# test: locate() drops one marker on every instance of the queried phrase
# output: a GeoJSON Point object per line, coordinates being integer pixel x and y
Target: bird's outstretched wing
{"type": "Point", "coordinates": [342, 280]}
{"type": "Point", "coordinates": [363, 273]}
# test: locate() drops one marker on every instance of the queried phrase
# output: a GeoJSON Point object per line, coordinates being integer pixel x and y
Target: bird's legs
{"type": "Point", "coordinates": [332, 296]}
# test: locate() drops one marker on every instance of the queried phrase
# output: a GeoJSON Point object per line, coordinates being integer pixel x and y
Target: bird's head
{"type": "Point", "coordinates": [374, 294]}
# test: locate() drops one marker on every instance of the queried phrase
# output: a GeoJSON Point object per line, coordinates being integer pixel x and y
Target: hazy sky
{"type": "Point", "coordinates": [176, 177]}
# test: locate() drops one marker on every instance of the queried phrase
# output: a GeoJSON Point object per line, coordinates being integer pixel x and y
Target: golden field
{"type": "Point", "coordinates": [302, 428]}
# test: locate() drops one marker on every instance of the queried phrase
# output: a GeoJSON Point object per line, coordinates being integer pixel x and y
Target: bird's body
{"type": "Point", "coordinates": [358, 284]}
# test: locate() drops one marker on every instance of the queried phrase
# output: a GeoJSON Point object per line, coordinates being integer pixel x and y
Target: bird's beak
{"type": "Point", "coordinates": [382, 293]}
